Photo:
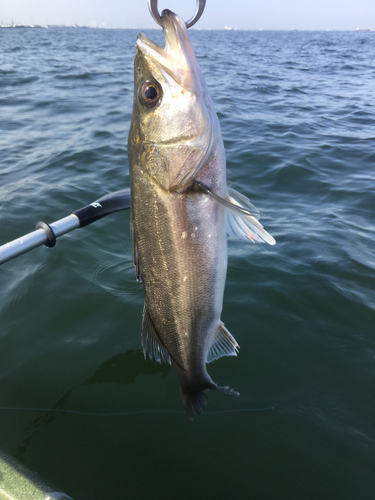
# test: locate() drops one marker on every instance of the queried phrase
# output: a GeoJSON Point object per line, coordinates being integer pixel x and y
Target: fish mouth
{"type": "Point", "coordinates": [177, 59]}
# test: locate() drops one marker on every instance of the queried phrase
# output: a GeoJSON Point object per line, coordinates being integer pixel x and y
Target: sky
{"type": "Point", "coordinates": [242, 14]}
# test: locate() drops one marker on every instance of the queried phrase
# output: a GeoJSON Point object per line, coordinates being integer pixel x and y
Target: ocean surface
{"type": "Point", "coordinates": [78, 403]}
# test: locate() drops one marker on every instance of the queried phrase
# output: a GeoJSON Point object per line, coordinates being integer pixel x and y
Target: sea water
{"type": "Point", "coordinates": [79, 404]}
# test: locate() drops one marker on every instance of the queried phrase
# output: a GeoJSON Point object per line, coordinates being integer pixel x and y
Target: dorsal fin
{"type": "Point", "coordinates": [151, 342]}
{"type": "Point", "coordinates": [223, 345]}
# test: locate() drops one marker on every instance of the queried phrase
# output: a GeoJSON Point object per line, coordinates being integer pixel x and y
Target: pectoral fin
{"type": "Point", "coordinates": [223, 345]}
{"type": "Point", "coordinates": [241, 216]}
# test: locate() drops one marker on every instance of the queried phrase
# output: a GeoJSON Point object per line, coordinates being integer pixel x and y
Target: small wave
{"type": "Point", "coordinates": [113, 273]}
{"type": "Point", "coordinates": [14, 82]}
{"type": "Point", "coordinates": [78, 76]}
{"type": "Point", "coordinates": [296, 90]}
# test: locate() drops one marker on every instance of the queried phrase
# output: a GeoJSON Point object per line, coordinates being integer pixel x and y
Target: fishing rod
{"type": "Point", "coordinates": [46, 234]}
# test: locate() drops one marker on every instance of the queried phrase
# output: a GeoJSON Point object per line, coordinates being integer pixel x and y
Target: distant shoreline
{"type": "Point", "coordinates": [76, 26]}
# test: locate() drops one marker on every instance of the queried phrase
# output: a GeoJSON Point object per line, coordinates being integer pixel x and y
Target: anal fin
{"type": "Point", "coordinates": [151, 342]}
{"type": "Point", "coordinates": [224, 344]}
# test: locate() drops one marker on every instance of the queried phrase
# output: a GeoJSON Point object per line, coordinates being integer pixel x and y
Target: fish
{"type": "Point", "coordinates": [181, 212]}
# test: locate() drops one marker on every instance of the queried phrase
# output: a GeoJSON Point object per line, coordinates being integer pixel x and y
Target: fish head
{"type": "Point", "coordinates": [174, 123]}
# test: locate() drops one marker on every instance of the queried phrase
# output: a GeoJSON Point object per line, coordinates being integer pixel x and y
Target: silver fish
{"type": "Point", "coordinates": [181, 209]}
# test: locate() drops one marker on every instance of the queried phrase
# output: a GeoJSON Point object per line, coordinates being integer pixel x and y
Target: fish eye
{"type": "Point", "coordinates": [149, 93]}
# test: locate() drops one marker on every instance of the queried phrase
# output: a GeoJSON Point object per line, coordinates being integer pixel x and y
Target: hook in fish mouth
{"type": "Point", "coordinates": [153, 7]}
{"type": "Point", "coordinates": [195, 125]}
{"type": "Point", "coordinates": [177, 59]}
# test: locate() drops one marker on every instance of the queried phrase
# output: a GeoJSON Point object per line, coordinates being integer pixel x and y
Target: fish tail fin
{"type": "Point", "coordinates": [194, 402]}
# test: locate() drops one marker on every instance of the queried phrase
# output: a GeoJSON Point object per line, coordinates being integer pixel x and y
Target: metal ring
{"type": "Point", "coordinates": [153, 6]}
{"type": "Point", "coordinates": [51, 237]}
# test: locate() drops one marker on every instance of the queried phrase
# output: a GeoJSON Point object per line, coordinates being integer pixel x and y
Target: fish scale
{"type": "Point", "coordinates": [179, 208]}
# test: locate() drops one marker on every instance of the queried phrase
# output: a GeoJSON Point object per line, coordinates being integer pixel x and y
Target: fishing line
{"type": "Point", "coordinates": [128, 413]}
{"type": "Point", "coordinates": [238, 410]}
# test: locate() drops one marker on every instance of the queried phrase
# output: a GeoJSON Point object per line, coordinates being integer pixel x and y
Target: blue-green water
{"type": "Point", "coordinates": [79, 404]}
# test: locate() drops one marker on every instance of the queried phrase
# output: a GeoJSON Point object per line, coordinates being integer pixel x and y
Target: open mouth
{"type": "Point", "coordinates": [177, 59]}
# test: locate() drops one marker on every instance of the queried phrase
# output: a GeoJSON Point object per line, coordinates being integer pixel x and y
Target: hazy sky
{"type": "Point", "coordinates": [242, 14]}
